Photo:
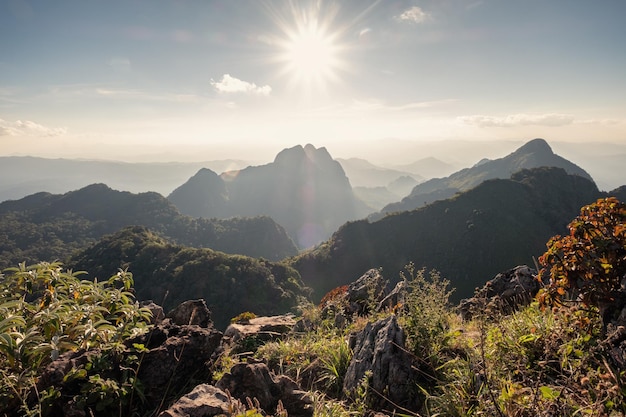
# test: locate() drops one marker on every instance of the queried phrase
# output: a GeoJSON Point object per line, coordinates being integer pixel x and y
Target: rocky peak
{"type": "Point", "coordinates": [538, 145]}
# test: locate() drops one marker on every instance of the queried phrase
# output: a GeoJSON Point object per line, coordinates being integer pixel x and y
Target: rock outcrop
{"type": "Point", "coordinates": [369, 288]}
{"type": "Point", "coordinates": [255, 381]}
{"type": "Point", "coordinates": [382, 365]}
{"type": "Point", "coordinates": [203, 401]}
{"type": "Point", "coordinates": [504, 293]}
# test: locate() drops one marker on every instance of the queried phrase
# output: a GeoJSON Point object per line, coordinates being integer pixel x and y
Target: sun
{"type": "Point", "coordinates": [309, 41]}
{"type": "Point", "coordinates": [311, 55]}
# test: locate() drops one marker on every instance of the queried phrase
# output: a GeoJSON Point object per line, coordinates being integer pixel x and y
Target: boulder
{"type": "Point", "coordinates": [506, 292]}
{"type": "Point", "coordinates": [254, 381]}
{"type": "Point", "coordinates": [176, 356]}
{"type": "Point", "coordinates": [191, 312]}
{"type": "Point", "coordinates": [381, 362]}
{"type": "Point", "coordinates": [370, 287]}
{"type": "Point", "coordinates": [157, 311]}
{"type": "Point", "coordinates": [203, 401]}
{"type": "Point", "coordinates": [395, 298]}
{"type": "Point", "coordinates": [253, 332]}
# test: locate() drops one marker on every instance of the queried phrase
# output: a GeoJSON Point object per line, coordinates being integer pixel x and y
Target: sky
{"type": "Point", "coordinates": [157, 80]}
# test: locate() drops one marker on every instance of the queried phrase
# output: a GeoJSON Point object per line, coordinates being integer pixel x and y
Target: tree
{"type": "Point", "coordinates": [589, 264]}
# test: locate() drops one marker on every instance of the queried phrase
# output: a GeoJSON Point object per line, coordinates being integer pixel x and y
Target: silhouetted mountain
{"type": "Point", "coordinates": [469, 238]}
{"type": "Point", "coordinates": [362, 173]}
{"type": "Point", "coordinates": [203, 193]}
{"type": "Point", "coordinates": [44, 227]}
{"type": "Point", "coordinates": [534, 154]}
{"type": "Point", "coordinates": [428, 167]}
{"type": "Point", "coordinates": [21, 176]}
{"type": "Point", "coordinates": [304, 190]}
{"type": "Point", "coordinates": [170, 274]}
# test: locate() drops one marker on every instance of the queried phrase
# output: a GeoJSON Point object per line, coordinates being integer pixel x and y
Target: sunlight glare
{"type": "Point", "coordinates": [310, 55]}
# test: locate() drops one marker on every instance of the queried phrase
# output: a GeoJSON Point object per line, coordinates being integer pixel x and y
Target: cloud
{"type": "Point", "coordinates": [520, 119]}
{"type": "Point", "coordinates": [28, 128]}
{"type": "Point", "coordinates": [120, 64]}
{"type": "Point", "coordinates": [230, 84]}
{"type": "Point", "coordinates": [414, 15]}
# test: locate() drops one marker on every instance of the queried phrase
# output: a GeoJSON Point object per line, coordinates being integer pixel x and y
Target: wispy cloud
{"type": "Point", "coordinates": [229, 84]}
{"type": "Point", "coordinates": [28, 128]}
{"type": "Point", "coordinates": [374, 104]}
{"type": "Point", "coordinates": [520, 119]}
{"type": "Point", "coordinates": [414, 15]}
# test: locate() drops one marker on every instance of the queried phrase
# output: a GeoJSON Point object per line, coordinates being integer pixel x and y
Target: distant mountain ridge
{"type": "Point", "coordinates": [45, 227]}
{"type": "Point", "coordinates": [534, 154]}
{"type": "Point", "coordinates": [304, 190]}
{"type": "Point", "coordinates": [469, 238]}
{"type": "Point", "coordinates": [21, 176]}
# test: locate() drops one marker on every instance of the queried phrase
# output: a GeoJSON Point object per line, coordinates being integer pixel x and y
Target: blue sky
{"type": "Point", "coordinates": [183, 79]}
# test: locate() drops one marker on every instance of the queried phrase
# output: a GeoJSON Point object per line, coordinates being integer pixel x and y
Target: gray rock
{"type": "Point", "coordinates": [396, 297]}
{"type": "Point", "coordinates": [381, 358]}
{"type": "Point", "coordinates": [191, 312]}
{"type": "Point", "coordinates": [264, 328]}
{"type": "Point", "coordinates": [176, 356]}
{"type": "Point", "coordinates": [157, 311]}
{"type": "Point", "coordinates": [203, 401]}
{"type": "Point", "coordinates": [505, 293]}
{"type": "Point", "coordinates": [255, 381]}
{"type": "Point", "coordinates": [370, 287]}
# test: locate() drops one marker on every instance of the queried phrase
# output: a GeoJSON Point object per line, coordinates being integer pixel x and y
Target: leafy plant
{"type": "Point", "coordinates": [45, 312]}
{"type": "Point", "coordinates": [590, 262]}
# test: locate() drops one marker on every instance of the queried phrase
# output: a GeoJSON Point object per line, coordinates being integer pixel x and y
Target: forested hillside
{"type": "Point", "coordinates": [45, 226]}
{"type": "Point", "coordinates": [170, 274]}
{"type": "Point", "coordinates": [469, 238]}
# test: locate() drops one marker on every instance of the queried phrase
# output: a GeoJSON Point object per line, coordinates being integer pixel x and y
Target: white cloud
{"type": "Point", "coordinates": [414, 15]}
{"type": "Point", "coordinates": [230, 84]}
{"type": "Point", "coordinates": [28, 128]}
{"type": "Point", "coordinates": [520, 119]}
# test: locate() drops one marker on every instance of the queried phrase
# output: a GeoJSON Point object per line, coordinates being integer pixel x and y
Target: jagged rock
{"type": "Point", "coordinates": [504, 293]}
{"type": "Point", "coordinates": [396, 297]}
{"type": "Point", "coordinates": [203, 401]}
{"type": "Point", "coordinates": [255, 381]}
{"type": "Point", "coordinates": [177, 354]}
{"type": "Point", "coordinates": [370, 285]}
{"type": "Point", "coordinates": [191, 312]}
{"type": "Point", "coordinates": [380, 356]}
{"type": "Point", "coordinates": [157, 311]}
{"type": "Point", "coordinates": [262, 328]}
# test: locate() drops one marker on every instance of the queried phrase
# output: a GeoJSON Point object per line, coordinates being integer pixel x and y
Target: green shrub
{"type": "Point", "coordinates": [46, 311]}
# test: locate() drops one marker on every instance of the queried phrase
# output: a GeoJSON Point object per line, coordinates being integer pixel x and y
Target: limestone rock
{"type": "Point", "coordinates": [177, 354]}
{"type": "Point", "coordinates": [263, 328]}
{"type": "Point", "coordinates": [255, 381]}
{"type": "Point", "coordinates": [371, 284]}
{"type": "Point", "coordinates": [191, 312]}
{"type": "Point", "coordinates": [397, 296]}
{"type": "Point", "coordinates": [380, 356]}
{"type": "Point", "coordinates": [157, 311]}
{"type": "Point", "coordinates": [504, 293]}
{"type": "Point", "coordinates": [203, 401]}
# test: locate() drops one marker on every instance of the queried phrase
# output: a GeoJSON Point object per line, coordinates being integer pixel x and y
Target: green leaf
{"type": "Point", "coordinates": [549, 393]}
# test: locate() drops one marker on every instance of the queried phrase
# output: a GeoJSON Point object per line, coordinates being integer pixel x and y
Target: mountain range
{"type": "Point", "coordinates": [535, 153]}
{"type": "Point", "coordinates": [46, 226]}
{"type": "Point", "coordinates": [498, 224]}
{"type": "Point", "coordinates": [488, 218]}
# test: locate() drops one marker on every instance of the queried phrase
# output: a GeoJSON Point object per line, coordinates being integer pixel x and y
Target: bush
{"type": "Point", "coordinates": [590, 263]}
{"type": "Point", "coordinates": [44, 312]}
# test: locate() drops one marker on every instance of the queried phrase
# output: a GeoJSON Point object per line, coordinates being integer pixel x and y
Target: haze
{"type": "Point", "coordinates": [384, 80]}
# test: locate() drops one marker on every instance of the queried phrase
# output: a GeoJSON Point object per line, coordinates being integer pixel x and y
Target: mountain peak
{"type": "Point", "coordinates": [535, 146]}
